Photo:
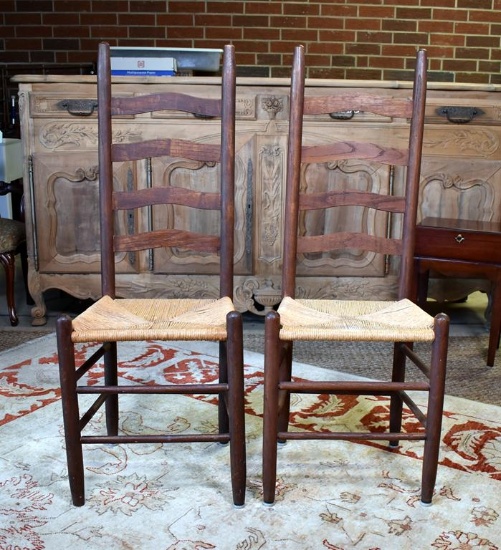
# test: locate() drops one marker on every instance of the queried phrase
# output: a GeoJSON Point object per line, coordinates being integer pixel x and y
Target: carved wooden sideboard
{"type": "Point", "coordinates": [461, 178]}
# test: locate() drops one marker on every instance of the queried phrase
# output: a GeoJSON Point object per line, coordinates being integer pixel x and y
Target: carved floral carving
{"type": "Point", "coordinates": [245, 107]}
{"type": "Point", "coordinates": [57, 134]}
{"type": "Point", "coordinates": [342, 288]}
{"type": "Point", "coordinates": [247, 295]}
{"type": "Point", "coordinates": [260, 295]}
{"type": "Point", "coordinates": [21, 103]}
{"type": "Point", "coordinates": [481, 142]}
{"type": "Point", "coordinates": [170, 287]}
{"type": "Point", "coordinates": [272, 105]}
{"type": "Point", "coordinates": [271, 177]}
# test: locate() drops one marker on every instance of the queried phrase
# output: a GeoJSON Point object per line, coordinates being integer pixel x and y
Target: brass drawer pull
{"type": "Point", "coordinates": [459, 238]}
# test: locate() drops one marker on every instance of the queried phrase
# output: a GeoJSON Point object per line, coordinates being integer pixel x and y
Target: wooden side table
{"type": "Point", "coordinates": [463, 249]}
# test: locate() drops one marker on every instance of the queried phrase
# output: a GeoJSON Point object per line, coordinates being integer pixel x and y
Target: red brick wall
{"type": "Point", "coordinates": [358, 39]}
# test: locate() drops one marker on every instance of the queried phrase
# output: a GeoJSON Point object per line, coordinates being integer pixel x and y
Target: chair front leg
{"type": "Point", "coordinates": [285, 375]}
{"type": "Point", "coordinates": [495, 330]}
{"type": "Point", "coordinates": [223, 419]}
{"type": "Point", "coordinates": [438, 368]}
{"type": "Point", "coordinates": [396, 402]}
{"type": "Point", "coordinates": [111, 379]}
{"type": "Point", "coordinates": [71, 413]}
{"type": "Point", "coordinates": [236, 411]}
{"type": "Point", "coordinates": [272, 359]}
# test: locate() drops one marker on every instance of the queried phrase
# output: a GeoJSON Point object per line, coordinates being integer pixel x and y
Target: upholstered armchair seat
{"type": "Point", "coordinates": [12, 234]}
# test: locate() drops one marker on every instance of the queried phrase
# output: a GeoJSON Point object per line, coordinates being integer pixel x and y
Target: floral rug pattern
{"type": "Point", "coordinates": [334, 495]}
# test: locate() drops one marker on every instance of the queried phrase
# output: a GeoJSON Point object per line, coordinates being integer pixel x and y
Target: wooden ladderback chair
{"type": "Point", "coordinates": [116, 318]}
{"type": "Point", "coordinates": [339, 196]}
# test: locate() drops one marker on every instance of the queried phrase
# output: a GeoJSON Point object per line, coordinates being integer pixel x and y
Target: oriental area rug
{"type": "Point", "coordinates": [331, 495]}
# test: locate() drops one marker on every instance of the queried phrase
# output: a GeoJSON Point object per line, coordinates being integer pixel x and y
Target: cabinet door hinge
{"type": "Point", "coordinates": [31, 184]}
{"type": "Point", "coordinates": [149, 215]}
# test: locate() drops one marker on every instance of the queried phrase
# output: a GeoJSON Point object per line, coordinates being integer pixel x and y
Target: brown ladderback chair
{"type": "Point", "coordinates": [339, 196]}
{"type": "Point", "coordinates": [115, 317]}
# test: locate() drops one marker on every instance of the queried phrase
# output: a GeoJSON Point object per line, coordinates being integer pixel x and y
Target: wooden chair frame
{"type": "Point", "coordinates": [227, 326]}
{"type": "Point", "coordinates": [284, 326]}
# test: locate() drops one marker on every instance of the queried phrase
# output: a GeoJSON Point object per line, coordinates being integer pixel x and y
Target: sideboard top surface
{"type": "Point", "coordinates": [248, 81]}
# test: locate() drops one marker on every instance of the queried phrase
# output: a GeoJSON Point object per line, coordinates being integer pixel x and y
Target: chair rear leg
{"type": "Point", "coordinates": [111, 379]}
{"type": "Point", "coordinates": [285, 375]}
{"type": "Point", "coordinates": [71, 414]}
{"type": "Point", "coordinates": [236, 410]}
{"type": "Point", "coordinates": [495, 330]}
{"type": "Point", "coordinates": [223, 419]}
{"type": "Point", "coordinates": [270, 407]}
{"type": "Point", "coordinates": [24, 266]}
{"type": "Point", "coordinates": [435, 408]}
{"type": "Point", "coordinates": [396, 402]}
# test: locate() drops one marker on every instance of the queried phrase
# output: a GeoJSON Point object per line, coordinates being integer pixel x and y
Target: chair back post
{"type": "Point", "coordinates": [413, 175]}
{"type": "Point", "coordinates": [105, 170]}
{"type": "Point", "coordinates": [227, 167]}
{"type": "Point", "coordinates": [293, 172]}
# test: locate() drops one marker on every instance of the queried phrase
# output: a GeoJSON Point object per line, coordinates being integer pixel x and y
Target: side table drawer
{"type": "Point", "coordinates": [472, 246]}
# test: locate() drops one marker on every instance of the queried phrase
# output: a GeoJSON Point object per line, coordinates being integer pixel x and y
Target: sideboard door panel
{"type": "Point", "coordinates": [199, 177]}
{"type": "Point", "coordinates": [347, 175]}
{"type": "Point", "coordinates": [203, 177]}
{"type": "Point", "coordinates": [463, 189]}
{"type": "Point", "coordinates": [66, 217]}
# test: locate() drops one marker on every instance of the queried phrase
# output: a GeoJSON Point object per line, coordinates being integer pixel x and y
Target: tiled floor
{"type": "Point", "coordinates": [467, 318]}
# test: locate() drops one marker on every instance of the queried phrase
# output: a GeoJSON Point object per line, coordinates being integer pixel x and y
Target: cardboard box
{"type": "Point", "coordinates": [205, 60]}
{"type": "Point", "coordinates": [143, 66]}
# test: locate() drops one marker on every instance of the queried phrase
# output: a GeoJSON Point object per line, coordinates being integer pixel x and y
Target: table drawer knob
{"type": "Point", "coordinates": [459, 238]}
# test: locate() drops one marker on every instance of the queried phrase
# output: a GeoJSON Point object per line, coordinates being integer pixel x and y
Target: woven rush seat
{"type": "Point", "coordinates": [354, 319]}
{"type": "Point", "coordinates": [12, 234]}
{"type": "Point", "coordinates": [164, 319]}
